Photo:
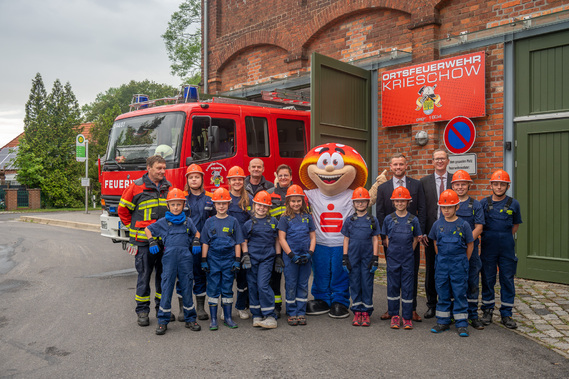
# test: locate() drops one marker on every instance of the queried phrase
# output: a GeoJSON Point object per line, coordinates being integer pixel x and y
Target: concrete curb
{"type": "Point", "coordinates": [62, 223]}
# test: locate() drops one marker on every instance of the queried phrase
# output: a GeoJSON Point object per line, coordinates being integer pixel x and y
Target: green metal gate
{"type": "Point", "coordinates": [542, 156]}
{"type": "Point", "coordinates": [340, 97]}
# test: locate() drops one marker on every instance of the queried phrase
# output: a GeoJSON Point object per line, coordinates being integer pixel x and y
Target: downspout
{"type": "Point", "coordinates": [205, 46]}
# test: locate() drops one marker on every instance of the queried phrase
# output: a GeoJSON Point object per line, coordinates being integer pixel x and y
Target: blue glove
{"type": "Point", "coordinates": [373, 264]}
{"type": "Point", "coordinates": [279, 264]}
{"type": "Point", "coordinates": [196, 246]}
{"type": "Point", "coordinates": [205, 266]}
{"type": "Point", "coordinates": [246, 262]}
{"type": "Point", "coordinates": [304, 258]}
{"type": "Point", "coordinates": [154, 249]}
{"type": "Point", "coordinates": [295, 258]}
{"type": "Point", "coordinates": [236, 265]}
{"type": "Point", "coordinates": [346, 264]}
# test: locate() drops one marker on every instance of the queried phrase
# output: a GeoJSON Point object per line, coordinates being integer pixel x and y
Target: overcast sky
{"type": "Point", "coordinates": [92, 44]}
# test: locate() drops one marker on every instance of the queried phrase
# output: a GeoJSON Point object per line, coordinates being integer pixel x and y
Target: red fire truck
{"type": "Point", "coordinates": [216, 134]}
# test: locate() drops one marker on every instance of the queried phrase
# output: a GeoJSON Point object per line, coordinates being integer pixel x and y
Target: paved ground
{"type": "Point", "coordinates": [541, 309]}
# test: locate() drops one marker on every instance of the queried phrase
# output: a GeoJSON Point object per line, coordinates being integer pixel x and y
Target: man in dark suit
{"type": "Point", "coordinates": [433, 185]}
{"type": "Point", "coordinates": [384, 207]}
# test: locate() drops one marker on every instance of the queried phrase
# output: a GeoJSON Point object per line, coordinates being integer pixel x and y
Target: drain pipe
{"type": "Point", "coordinates": [205, 46]}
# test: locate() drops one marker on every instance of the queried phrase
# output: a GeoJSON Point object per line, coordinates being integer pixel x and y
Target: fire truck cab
{"type": "Point", "coordinates": [216, 134]}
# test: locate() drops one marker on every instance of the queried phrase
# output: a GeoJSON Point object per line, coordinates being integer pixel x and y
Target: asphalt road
{"type": "Point", "coordinates": [67, 311]}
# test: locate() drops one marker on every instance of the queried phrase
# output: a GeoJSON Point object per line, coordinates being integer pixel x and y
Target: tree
{"type": "Point", "coordinates": [183, 41]}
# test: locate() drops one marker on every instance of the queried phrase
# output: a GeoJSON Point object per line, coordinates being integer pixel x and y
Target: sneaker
{"type": "Point", "coordinates": [463, 332]}
{"type": "Point", "coordinates": [161, 329]}
{"type": "Point", "coordinates": [269, 323]}
{"type": "Point", "coordinates": [143, 319]}
{"type": "Point", "coordinates": [486, 318]}
{"type": "Point", "coordinates": [243, 314]}
{"type": "Point", "coordinates": [257, 321]}
{"type": "Point", "coordinates": [476, 324]}
{"type": "Point", "coordinates": [301, 320]}
{"type": "Point", "coordinates": [407, 324]}
{"type": "Point", "coordinates": [292, 320]}
{"type": "Point", "coordinates": [365, 319]}
{"type": "Point", "coordinates": [439, 328]}
{"type": "Point", "coordinates": [509, 322]}
{"type": "Point", "coordinates": [395, 321]}
{"type": "Point", "coordinates": [357, 319]}
{"type": "Point", "coordinates": [193, 326]}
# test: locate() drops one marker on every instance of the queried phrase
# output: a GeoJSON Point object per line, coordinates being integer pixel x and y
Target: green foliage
{"type": "Point", "coordinates": [183, 41]}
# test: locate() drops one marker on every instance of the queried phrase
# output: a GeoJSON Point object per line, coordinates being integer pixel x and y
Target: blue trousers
{"type": "Point", "coordinates": [508, 263]}
{"type": "Point", "coordinates": [361, 283]}
{"type": "Point", "coordinates": [177, 265]}
{"type": "Point", "coordinates": [474, 266]}
{"type": "Point", "coordinates": [220, 279]}
{"type": "Point", "coordinates": [242, 290]}
{"type": "Point", "coordinates": [330, 282]}
{"type": "Point", "coordinates": [296, 286]}
{"type": "Point", "coordinates": [261, 295]}
{"type": "Point", "coordinates": [199, 279]}
{"type": "Point", "coordinates": [400, 279]}
{"type": "Point", "coordinates": [145, 263]}
{"type": "Point", "coordinates": [451, 278]}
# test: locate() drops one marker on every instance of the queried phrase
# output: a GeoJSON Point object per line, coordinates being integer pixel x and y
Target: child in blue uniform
{"type": "Point", "coordinates": [221, 239]}
{"type": "Point", "coordinates": [503, 217]}
{"type": "Point", "coordinates": [297, 238]}
{"type": "Point", "coordinates": [470, 211]}
{"type": "Point", "coordinates": [264, 251]}
{"type": "Point", "coordinates": [453, 246]}
{"type": "Point", "coordinates": [177, 232]}
{"type": "Point", "coordinates": [239, 208]}
{"type": "Point", "coordinates": [402, 230]}
{"type": "Point", "coordinates": [360, 259]}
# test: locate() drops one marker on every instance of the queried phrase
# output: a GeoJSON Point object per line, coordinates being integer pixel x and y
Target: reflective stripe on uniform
{"type": "Point", "coordinates": [212, 300]}
{"type": "Point", "coordinates": [302, 300]}
{"type": "Point", "coordinates": [507, 304]}
{"type": "Point", "coordinates": [142, 298]}
{"type": "Point", "coordinates": [488, 302]}
{"type": "Point", "coordinates": [165, 310]}
{"type": "Point", "coordinates": [393, 298]}
{"type": "Point", "coordinates": [461, 316]}
{"type": "Point", "coordinates": [443, 314]}
{"type": "Point", "coordinates": [255, 306]}
{"type": "Point", "coordinates": [227, 300]}
{"type": "Point", "coordinates": [407, 301]}
{"type": "Point", "coordinates": [277, 211]}
{"type": "Point", "coordinates": [127, 204]}
{"type": "Point", "coordinates": [267, 309]}
{"type": "Point", "coordinates": [242, 290]}
{"type": "Point", "coordinates": [189, 308]}
{"type": "Point", "coordinates": [158, 295]}
{"type": "Point", "coordinates": [278, 299]}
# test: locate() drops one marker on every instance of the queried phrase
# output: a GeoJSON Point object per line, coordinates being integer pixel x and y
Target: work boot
{"type": "Point", "coordinates": [213, 314]}
{"type": "Point", "coordinates": [487, 316]}
{"type": "Point", "coordinates": [143, 319]}
{"type": "Point", "coordinates": [181, 316]}
{"type": "Point", "coordinates": [439, 328]}
{"type": "Point", "coordinates": [278, 308]}
{"type": "Point", "coordinates": [509, 323]}
{"type": "Point", "coordinates": [463, 332]}
{"type": "Point", "coordinates": [172, 317]}
{"type": "Point", "coordinates": [268, 323]}
{"type": "Point", "coordinates": [193, 326]}
{"type": "Point", "coordinates": [476, 324]}
{"type": "Point", "coordinates": [228, 321]}
{"type": "Point", "coordinates": [200, 308]}
{"type": "Point", "coordinates": [161, 329]}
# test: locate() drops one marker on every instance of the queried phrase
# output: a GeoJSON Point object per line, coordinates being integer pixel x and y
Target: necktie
{"type": "Point", "coordinates": [442, 187]}
{"type": "Point", "coordinates": [399, 182]}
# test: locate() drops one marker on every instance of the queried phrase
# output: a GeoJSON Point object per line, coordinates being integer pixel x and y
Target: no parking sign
{"type": "Point", "coordinates": [459, 135]}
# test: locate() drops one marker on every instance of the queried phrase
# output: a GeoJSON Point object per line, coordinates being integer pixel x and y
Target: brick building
{"type": "Point", "coordinates": [255, 45]}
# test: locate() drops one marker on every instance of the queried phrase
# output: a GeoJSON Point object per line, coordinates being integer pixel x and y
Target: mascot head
{"type": "Point", "coordinates": [333, 168]}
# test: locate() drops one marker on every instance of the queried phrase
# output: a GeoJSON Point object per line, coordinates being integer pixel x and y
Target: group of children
{"type": "Point", "coordinates": [236, 238]}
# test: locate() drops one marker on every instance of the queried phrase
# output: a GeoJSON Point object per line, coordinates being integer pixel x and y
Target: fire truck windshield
{"type": "Point", "coordinates": [134, 139]}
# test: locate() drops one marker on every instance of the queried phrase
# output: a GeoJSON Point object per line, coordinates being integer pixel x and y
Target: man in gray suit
{"type": "Point", "coordinates": [433, 185]}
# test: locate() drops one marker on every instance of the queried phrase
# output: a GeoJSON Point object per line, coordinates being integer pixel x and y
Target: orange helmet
{"type": "Point", "coordinates": [294, 190]}
{"type": "Point", "coordinates": [448, 198]}
{"type": "Point", "coordinates": [263, 198]}
{"type": "Point", "coordinates": [176, 194]}
{"type": "Point", "coordinates": [235, 172]}
{"type": "Point", "coordinates": [360, 193]}
{"type": "Point", "coordinates": [193, 169]}
{"type": "Point", "coordinates": [500, 176]}
{"type": "Point", "coordinates": [461, 176]}
{"type": "Point", "coordinates": [221, 195]}
{"type": "Point", "coordinates": [401, 193]}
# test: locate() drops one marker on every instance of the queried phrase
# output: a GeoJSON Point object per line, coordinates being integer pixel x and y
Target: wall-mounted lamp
{"type": "Point", "coordinates": [422, 137]}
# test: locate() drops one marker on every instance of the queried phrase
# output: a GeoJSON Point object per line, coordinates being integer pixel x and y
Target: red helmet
{"type": "Point", "coordinates": [360, 193]}
{"type": "Point", "coordinates": [400, 193]}
{"type": "Point", "coordinates": [263, 198]}
{"type": "Point", "coordinates": [448, 198]}
{"type": "Point", "coordinates": [176, 194]}
{"type": "Point", "coordinates": [193, 169]}
{"type": "Point", "coordinates": [294, 190]}
{"type": "Point", "coordinates": [221, 195]}
{"type": "Point", "coordinates": [500, 176]}
{"type": "Point", "coordinates": [461, 176]}
{"type": "Point", "coordinates": [235, 172]}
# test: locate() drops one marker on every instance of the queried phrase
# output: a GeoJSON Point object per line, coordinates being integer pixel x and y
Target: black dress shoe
{"type": "Point", "coordinates": [339, 311]}
{"type": "Point", "coordinates": [317, 307]}
{"type": "Point", "coordinates": [430, 313]}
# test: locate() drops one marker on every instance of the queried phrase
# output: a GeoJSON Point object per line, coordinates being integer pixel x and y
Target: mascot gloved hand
{"type": "Point", "coordinates": [331, 172]}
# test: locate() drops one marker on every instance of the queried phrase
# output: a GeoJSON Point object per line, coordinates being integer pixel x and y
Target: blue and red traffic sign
{"type": "Point", "coordinates": [459, 135]}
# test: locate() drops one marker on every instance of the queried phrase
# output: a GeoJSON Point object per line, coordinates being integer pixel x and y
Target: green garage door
{"type": "Point", "coordinates": [542, 156]}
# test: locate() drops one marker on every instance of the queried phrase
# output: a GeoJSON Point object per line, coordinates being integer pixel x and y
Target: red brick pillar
{"type": "Point", "coordinates": [11, 199]}
{"type": "Point", "coordinates": [34, 198]}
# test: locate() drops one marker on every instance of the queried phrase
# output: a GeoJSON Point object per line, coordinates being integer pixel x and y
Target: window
{"type": "Point", "coordinates": [212, 138]}
{"type": "Point", "coordinates": [291, 138]}
{"type": "Point", "coordinates": [257, 136]}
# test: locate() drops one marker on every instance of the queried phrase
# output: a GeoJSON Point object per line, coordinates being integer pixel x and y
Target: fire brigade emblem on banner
{"type": "Point", "coordinates": [428, 99]}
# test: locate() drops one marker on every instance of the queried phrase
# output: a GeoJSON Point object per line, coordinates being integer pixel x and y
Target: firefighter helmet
{"type": "Point", "coordinates": [176, 194]}
{"type": "Point", "coordinates": [360, 193]}
{"type": "Point", "coordinates": [164, 151]}
{"type": "Point", "coordinates": [500, 176]}
{"type": "Point", "coordinates": [461, 176]}
{"type": "Point", "coordinates": [294, 190]}
{"type": "Point", "coordinates": [401, 193]}
{"type": "Point", "coordinates": [263, 198]}
{"type": "Point", "coordinates": [235, 172]}
{"type": "Point", "coordinates": [221, 195]}
{"type": "Point", "coordinates": [448, 198]}
{"type": "Point", "coordinates": [193, 169]}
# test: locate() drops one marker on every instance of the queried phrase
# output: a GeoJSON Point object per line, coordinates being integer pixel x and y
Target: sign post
{"type": "Point", "coordinates": [82, 155]}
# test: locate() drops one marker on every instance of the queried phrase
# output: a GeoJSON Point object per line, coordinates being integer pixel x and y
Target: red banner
{"type": "Point", "coordinates": [434, 91]}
